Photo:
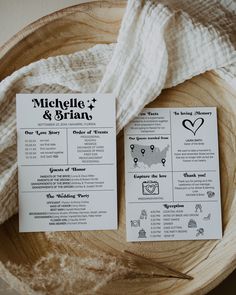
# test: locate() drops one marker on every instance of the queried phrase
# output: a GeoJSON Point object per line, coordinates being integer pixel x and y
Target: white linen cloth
{"type": "Point", "coordinates": [160, 44]}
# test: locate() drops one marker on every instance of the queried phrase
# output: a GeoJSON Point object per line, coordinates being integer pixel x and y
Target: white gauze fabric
{"type": "Point", "coordinates": [160, 44]}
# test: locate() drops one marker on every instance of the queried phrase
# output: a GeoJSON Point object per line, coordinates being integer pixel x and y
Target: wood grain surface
{"type": "Point", "coordinates": [209, 262]}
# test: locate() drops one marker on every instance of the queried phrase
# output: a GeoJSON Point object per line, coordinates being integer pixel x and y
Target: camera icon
{"type": "Point", "coordinates": [150, 187]}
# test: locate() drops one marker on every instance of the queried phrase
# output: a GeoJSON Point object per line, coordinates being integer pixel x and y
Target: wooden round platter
{"type": "Point", "coordinates": [208, 262]}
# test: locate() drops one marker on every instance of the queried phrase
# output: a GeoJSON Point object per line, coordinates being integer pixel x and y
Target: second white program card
{"type": "Point", "coordinates": [172, 175]}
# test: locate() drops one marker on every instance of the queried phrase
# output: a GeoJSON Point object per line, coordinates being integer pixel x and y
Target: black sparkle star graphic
{"type": "Point", "coordinates": [90, 107]}
{"type": "Point", "coordinates": [94, 100]}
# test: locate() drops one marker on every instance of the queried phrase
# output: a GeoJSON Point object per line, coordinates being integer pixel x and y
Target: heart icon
{"type": "Point", "coordinates": [193, 126]}
{"type": "Point", "coordinates": [150, 188]}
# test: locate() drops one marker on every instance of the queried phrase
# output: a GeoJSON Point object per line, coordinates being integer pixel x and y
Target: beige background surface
{"type": "Point", "coordinates": [16, 14]}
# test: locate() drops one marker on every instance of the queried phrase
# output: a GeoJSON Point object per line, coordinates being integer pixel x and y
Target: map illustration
{"type": "Point", "coordinates": [148, 154]}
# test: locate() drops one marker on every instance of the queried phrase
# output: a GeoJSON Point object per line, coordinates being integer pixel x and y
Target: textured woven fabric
{"type": "Point", "coordinates": [160, 44]}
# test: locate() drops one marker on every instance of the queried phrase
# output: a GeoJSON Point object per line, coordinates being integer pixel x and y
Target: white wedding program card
{"type": "Point", "coordinates": [172, 175]}
{"type": "Point", "coordinates": [66, 146]}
